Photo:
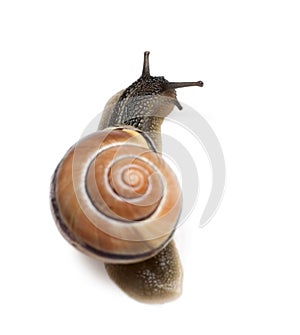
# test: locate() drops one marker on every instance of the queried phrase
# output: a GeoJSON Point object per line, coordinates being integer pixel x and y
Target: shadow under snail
{"type": "Point", "coordinates": [114, 197]}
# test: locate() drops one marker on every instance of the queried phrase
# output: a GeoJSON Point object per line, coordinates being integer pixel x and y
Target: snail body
{"type": "Point", "coordinates": [113, 196]}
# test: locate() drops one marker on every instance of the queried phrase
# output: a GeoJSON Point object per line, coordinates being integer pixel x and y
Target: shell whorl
{"type": "Point", "coordinates": [115, 198]}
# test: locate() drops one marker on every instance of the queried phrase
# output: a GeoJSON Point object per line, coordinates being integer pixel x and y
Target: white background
{"type": "Point", "coordinates": [59, 63]}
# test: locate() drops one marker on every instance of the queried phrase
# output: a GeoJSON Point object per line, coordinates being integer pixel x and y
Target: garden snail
{"type": "Point", "coordinates": [115, 198]}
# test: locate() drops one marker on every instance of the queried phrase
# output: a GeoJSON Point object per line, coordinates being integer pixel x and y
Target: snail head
{"type": "Point", "coordinates": [155, 94]}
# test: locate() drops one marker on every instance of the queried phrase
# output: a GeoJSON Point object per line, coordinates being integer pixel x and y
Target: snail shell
{"type": "Point", "coordinates": [114, 197]}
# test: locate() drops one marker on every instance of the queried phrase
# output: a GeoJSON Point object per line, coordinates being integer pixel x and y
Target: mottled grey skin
{"type": "Point", "coordinates": [143, 106]}
{"type": "Point", "coordinates": [156, 280]}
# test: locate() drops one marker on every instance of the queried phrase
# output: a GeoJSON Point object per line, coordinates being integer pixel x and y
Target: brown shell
{"type": "Point", "coordinates": [114, 198]}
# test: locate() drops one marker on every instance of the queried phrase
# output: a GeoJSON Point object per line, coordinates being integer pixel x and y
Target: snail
{"type": "Point", "coordinates": [114, 197]}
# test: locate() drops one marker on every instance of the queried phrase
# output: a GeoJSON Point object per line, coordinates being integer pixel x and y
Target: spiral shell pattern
{"type": "Point", "coordinates": [115, 198]}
